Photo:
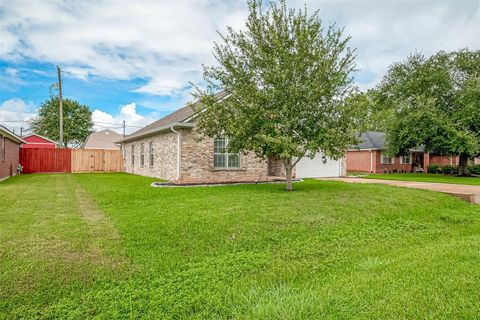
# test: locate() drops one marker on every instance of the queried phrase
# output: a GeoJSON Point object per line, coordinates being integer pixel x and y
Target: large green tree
{"type": "Point", "coordinates": [77, 121]}
{"type": "Point", "coordinates": [287, 77]}
{"type": "Point", "coordinates": [435, 102]}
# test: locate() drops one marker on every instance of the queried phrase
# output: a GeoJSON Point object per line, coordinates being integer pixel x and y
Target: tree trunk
{"type": "Point", "coordinates": [288, 174]}
{"type": "Point", "coordinates": [463, 165]}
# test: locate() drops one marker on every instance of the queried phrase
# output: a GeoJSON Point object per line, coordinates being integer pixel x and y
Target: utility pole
{"type": "Point", "coordinates": [124, 128]}
{"type": "Point", "coordinates": [60, 103]}
{"type": "Point", "coordinates": [21, 131]}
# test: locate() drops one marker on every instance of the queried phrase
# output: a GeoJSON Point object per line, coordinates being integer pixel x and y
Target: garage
{"type": "Point", "coordinates": [314, 168]}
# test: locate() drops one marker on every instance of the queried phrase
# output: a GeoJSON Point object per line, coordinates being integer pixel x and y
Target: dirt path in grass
{"type": "Point", "coordinates": [105, 243]}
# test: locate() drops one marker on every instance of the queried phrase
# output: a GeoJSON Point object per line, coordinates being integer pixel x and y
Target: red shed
{"type": "Point", "coordinates": [39, 142]}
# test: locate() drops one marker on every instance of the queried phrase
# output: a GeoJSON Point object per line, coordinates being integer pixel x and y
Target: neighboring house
{"type": "Point", "coordinates": [172, 149]}
{"type": "Point", "coordinates": [9, 152]}
{"type": "Point", "coordinates": [103, 139]}
{"type": "Point", "coordinates": [37, 141]}
{"type": "Point", "coordinates": [369, 156]}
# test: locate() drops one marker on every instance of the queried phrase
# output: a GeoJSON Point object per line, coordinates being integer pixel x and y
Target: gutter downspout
{"type": "Point", "coordinates": [178, 151]}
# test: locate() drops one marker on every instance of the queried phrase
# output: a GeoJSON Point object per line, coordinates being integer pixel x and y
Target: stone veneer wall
{"type": "Point", "coordinates": [197, 163]}
{"type": "Point", "coordinates": [165, 156]}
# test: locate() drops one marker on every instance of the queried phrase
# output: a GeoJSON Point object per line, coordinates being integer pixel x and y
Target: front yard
{"type": "Point", "coordinates": [422, 177]}
{"type": "Point", "coordinates": [109, 246]}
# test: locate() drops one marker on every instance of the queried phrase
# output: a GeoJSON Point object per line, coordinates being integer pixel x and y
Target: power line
{"type": "Point", "coordinates": [30, 93]}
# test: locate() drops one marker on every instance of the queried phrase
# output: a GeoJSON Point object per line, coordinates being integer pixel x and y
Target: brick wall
{"type": "Point", "coordinates": [368, 161]}
{"type": "Point", "coordinates": [389, 168]}
{"type": "Point", "coordinates": [8, 166]}
{"type": "Point", "coordinates": [359, 161]}
{"type": "Point", "coordinates": [443, 160]}
{"type": "Point", "coordinates": [165, 156]}
{"type": "Point", "coordinates": [197, 163]}
{"type": "Point", "coordinates": [276, 167]}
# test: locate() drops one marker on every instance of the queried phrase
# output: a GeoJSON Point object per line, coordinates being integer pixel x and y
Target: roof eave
{"type": "Point", "coordinates": [12, 136]}
{"type": "Point", "coordinates": [158, 130]}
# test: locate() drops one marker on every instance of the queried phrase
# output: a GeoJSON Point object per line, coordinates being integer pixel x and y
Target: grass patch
{"type": "Point", "coordinates": [327, 250]}
{"type": "Point", "coordinates": [422, 177]}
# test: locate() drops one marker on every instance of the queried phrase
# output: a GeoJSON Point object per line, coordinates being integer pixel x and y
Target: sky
{"type": "Point", "coordinates": [135, 60]}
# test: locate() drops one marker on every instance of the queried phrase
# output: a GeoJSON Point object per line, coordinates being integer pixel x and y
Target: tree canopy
{"type": "Point", "coordinates": [435, 102]}
{"type": "Point", "coordinates": [287, 78]}
{"type": "Point", "coordinates": [77, 121]}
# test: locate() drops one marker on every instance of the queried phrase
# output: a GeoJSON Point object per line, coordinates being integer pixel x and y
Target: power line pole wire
{"type": "Point", "coordinates": [60, 103]}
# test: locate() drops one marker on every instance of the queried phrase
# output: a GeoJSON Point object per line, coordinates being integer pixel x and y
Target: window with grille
{"type": "Point", "coordinates": [406, 159]}
{"type": "Point", "coordinates": [386, 159]}
{"type": "Point", "coordinates": [142, 155]}
{"type": "Point", "coordinates": [223, 159]}
{"type": "Point", "coordinates": [133, 154]}
{"type": "Point", "coordinates": [151, 152]}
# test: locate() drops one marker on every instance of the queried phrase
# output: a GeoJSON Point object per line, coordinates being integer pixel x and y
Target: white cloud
{"type": "Point", "coordinates": [165, 42]}
{"type": "Point", "coordinates": [128, 113]}
{"type": "Point", "coordinates": [14, 114]}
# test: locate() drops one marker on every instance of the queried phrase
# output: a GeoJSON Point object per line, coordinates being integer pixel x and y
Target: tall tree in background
{"type": "Point", "coordinates": [77, 121]}
{"type": "Point", "coordinates": [287, 77]}
{"type": "Point", "coordinates": [435, 103]}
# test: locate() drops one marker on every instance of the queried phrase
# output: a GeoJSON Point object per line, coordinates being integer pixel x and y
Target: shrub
{"type": "Point", "coordinates": [449, 169]}
{"type": "Point", "coordinates": [474, 168]}
{"type": "Point", "coordinates": [433, 168]}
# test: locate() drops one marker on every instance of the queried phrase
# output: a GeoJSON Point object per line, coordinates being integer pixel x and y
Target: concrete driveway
{"type": "Point", "coordinates": [464, 192]}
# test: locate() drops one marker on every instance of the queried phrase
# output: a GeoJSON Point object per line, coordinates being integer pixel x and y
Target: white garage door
{"type": "Point", "coordinates": [313, 168]}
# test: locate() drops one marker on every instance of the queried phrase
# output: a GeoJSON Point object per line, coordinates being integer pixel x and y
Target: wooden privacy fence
{"type": "Point", "coordinates": [45, 160]}
{"type": "Point", "coordinates": [71, 160]}
{"type": "Point", "coordinates": [96, 160]}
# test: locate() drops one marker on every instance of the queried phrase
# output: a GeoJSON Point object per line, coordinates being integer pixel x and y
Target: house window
{"type": "Point", "coordinates": [133, 154]}
{"type": "Point", "coordinates": [2, 150]}
{"type": "Point", "coordinates": [142, 155]}
{"type": "Point", "coordinates": [223, 159]}
{"type": "Point", "coordinates": [406, 159]}
{"type": "Point", "coordinates": [151, 151]}
{"type": "Point", "coordinates": [386, 159]}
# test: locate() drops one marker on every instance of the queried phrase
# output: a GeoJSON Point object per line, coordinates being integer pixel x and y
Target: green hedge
{"type": "Point", "coordinates": [451, 170]}
{"type": "Point", "coordinates": [439, 169]}
{"type": "Point", "coordinates": [474, 168]}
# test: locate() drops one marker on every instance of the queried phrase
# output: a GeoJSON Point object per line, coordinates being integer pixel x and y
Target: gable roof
{"type": "Point", "coordinates": [102, 139]}
{"type": "Point", "coordinates": [9, 134]}
{"type": "Point", "coordinates": [375, 140]}
{"type": "Point", "coordinates": [372, 140]}
{"type": "Point", "coordinates": [39, 136]}
{"type": "Point", "coordinates": [178, 118]}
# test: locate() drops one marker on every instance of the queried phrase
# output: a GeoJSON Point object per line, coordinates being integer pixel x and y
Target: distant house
{"type": "Point", "coordinates": [172, 149]}
{"type": "Point", "coordinates": [9, 152]}
{"type": "Point", "coordinates": [37, 141]}
{"type": "Point", "coordinates": [103, 139]}
{"type": "Point", "coordinates": [369, 156]}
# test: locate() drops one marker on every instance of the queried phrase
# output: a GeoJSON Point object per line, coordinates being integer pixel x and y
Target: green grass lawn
{"type": "Point", "coordinates": [421, 177]}
{"type": "Point", "coordinates": [109, 246]}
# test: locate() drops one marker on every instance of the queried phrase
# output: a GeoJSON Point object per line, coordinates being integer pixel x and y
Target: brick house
{"type": "Point", "coordinates": [9, 152]}
{"type": "Point", "coordinates": [369, 157]}
{"type": "Point", "coordinates": [172, 149]}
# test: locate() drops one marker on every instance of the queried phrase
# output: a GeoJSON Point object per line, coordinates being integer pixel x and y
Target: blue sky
{"type": "Point", "coordinates": [133, 60]}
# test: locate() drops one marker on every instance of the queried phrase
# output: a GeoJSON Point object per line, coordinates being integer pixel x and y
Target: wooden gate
{"type": "Point", "coordinates": [96, 160]}
{"type": "Point", "coordinates": [46, 160]}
